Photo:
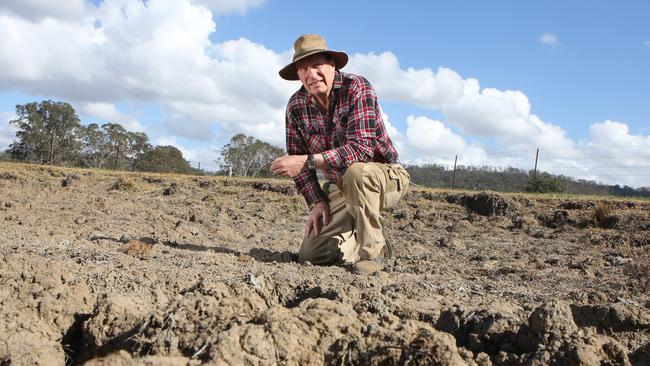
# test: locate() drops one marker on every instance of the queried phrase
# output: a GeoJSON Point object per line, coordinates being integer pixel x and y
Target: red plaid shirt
{"type": "Point", "coordinates": [352, 131]}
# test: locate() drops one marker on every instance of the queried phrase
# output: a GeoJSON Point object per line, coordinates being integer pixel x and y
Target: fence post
{"type": "Point", "coordinates": [453, 176]}
{"type": "Point", "coordinates": [535, 171]}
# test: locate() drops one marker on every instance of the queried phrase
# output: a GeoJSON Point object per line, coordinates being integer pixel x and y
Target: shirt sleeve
{"type": "Point", "coordinates": [361, 128]}
{"type": "Point", "coordinates": [306, 182]}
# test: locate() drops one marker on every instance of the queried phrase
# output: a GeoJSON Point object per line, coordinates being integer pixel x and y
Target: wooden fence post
{"type": "Point", "coordinates": [535, 171]}
{"type": "Point", "coordinates": [453, 176]}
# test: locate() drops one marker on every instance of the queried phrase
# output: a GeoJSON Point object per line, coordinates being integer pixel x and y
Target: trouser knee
{"type": "Point", "coordinates": [353, 176]}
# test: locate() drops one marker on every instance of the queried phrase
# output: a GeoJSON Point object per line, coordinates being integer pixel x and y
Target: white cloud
{"type": "Point", "coordinates": [611, 155]}
{"type": "Point", "coordinates": [205, 156]}
{"type": "Point", "coordinates": [549, 39]}
{"type": "Point", "coordinates": [432, 138]}
{"type": "Point", "coordinates": [109, 113]}
{"type": "Point", "coordinates": [158, 52]}
{"type": "Point", "coordinates": [398, 139]}
{"type": "Point", "coordinates": [647, 44]}
{"type": "Point", "coordinates": [36, 10]}
{"type": "Point", "coordinates": [7, 131]}
{"type": "Point", "coordinates": [421, 87]}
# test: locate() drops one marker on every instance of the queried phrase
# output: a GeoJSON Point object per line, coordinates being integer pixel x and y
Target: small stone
{"type": "Point", "coordinates": [80, 220]}
{"type": "Point", "coordinates": [253, 281]}
{"type": "Point", "coordinates": [137, 249]}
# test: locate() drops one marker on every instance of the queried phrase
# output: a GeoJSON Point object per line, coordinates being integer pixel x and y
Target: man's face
{"type": "Point", "coordinates": [316, 74]}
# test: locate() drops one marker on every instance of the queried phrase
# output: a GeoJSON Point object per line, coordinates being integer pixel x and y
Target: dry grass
{"type": "Point", "coordinates": [601, 212]}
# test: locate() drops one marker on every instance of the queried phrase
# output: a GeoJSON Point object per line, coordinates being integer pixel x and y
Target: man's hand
{"type": "Point", "coordinates": [289, 165]}
{"type": "Point", "coordinates": [318, 217]}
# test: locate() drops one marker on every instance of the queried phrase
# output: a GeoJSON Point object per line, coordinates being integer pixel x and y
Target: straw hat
{"type": "Point", "coordinates": [307, 45]}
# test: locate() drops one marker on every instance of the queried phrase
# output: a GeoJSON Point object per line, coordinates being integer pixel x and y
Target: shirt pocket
{"type": "Point", "coordinates": [312, 136]}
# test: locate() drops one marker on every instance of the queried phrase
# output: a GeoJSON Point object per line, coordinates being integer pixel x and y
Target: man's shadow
{"type": "Point", "coordinates": [259, 254]}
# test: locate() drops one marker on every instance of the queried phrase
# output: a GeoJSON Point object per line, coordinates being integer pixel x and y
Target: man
{"type": "Point", "coordinates": [334, 124]}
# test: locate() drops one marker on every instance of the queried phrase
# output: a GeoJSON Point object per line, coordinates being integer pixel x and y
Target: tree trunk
{"type": "Point", "coordinates": [50, 154]}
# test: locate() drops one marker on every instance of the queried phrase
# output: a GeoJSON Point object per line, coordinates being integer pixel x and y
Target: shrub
{"type": "Point", "coordinates": [545, 185]}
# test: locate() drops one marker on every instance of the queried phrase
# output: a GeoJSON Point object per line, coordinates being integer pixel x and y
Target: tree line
{"type": "Point", "coordinates": [50, 132]}
{"type": "Point", "coordinates": [514, 180]}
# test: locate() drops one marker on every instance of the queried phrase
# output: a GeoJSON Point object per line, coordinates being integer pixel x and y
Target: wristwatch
{"type": "Point", "coordinates": [311, 162]}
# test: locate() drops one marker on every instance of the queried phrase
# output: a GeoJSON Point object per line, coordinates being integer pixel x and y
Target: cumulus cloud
{"type": "Point", "coordinates": [108, 112]}
{"type": "Point", "coordinates": [432, 138]}
{"type": "Point", "coordinates": [36, 10]}
{"type": "Point", "coordinates": [611, 154]}
{"type": "Point", "coordinates": [615, 133]}
{"type": "Point", "coordinates": [156, 51]}
{"type": "Point", "coordinates": [549, 39]}
{"type": "Point", "coordinates": [421, 87]}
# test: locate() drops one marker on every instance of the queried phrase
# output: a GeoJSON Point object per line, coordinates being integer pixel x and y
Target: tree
{"type": "Point", "coordinates": [111, 145]}
{"type": "Point", "coordinates": [247, 156]}
{"type": "Point", "coordinates": [95, 150]}
{"type": "Point", "coordinates": [46, 132]}
{"type": "Point", "coordinates": [162, 159]}
{"type": "Point", "coordinates": [138, 143]}
{"type": "Point", "coordinates": [117, 140]}
{"type": "Point", "coordinates": [124, 146]}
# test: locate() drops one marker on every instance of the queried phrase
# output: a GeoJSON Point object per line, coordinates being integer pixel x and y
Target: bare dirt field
{"type": "Point", "coordinates": [118, 268]}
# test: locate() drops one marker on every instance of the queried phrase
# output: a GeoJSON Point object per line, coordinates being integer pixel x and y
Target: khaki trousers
{"type": "Point", "coordinates": [355, 231]}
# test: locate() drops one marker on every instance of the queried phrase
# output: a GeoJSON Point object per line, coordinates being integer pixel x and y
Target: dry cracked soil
{"type": "Point", "coordinates": [112, 268]}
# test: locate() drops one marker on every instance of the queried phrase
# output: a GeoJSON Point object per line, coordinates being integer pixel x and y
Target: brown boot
{"type": "Point", "coordinates": [370, 266]}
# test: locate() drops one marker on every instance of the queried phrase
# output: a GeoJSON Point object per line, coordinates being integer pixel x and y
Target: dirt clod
{"type": "Point", "coordinates": [484, 203]}
{"type": "Point", "coordinates": [136, 248]}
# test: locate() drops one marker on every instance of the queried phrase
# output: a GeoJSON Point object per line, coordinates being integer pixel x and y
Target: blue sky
{"type": "Point", "coordinates": [488, 81]}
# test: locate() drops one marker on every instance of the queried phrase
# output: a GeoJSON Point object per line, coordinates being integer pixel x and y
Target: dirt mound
{"type": "Point", "coordinates": [484, 203]}
{"type": "Point", "coordinates": [108, 269]}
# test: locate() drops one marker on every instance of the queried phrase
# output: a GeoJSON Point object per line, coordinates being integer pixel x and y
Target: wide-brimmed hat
{"type": "Point", "coordinates": [307, 45]}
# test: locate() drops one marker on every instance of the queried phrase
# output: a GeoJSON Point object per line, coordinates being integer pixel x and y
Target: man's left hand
{"type": "Point", "coordinates": [289, 165]}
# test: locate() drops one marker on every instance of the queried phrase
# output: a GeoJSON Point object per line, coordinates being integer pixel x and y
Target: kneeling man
{"type": "Point", "coordinates": [334, 124]}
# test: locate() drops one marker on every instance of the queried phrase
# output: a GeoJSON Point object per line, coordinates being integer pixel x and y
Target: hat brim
{"type": "Point", "coordinates": [289, 72]}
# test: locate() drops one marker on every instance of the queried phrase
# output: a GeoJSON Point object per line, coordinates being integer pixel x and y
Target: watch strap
{"type": "Point", "coordinates": [311, 162]}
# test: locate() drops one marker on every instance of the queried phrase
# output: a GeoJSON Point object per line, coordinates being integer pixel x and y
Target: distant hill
{"type": "Point", "coordinates": [511, 180]}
